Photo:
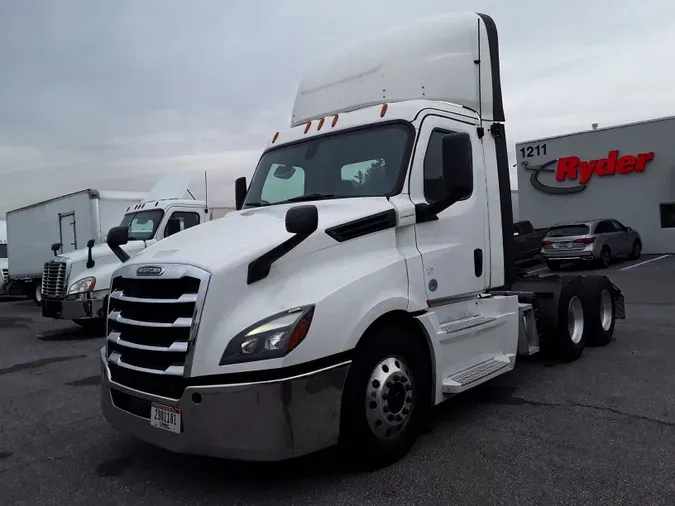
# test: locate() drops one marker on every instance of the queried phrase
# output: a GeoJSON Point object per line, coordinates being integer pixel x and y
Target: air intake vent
{"type": "Point", "coordinates": [363, 226]}
{"type": "Point", "coordinates": [54, 278]}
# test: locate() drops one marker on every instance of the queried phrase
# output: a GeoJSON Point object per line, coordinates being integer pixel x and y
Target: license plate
{"type": "Point", "coordinates": [165, 417]}
{"type": "Point", "coordinates": [562, 244]}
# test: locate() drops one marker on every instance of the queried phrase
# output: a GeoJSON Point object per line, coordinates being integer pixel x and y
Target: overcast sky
{"type": "Point", "coordinates": [113, 94]}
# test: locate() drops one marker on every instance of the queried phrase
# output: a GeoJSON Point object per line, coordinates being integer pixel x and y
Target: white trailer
{"type": "Point", "coordinates": [367, 275]}
{"type": "Point", "coordinates": [38, 232]}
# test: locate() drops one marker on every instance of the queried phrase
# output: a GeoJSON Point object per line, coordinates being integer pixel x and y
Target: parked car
{"type": "Point", "coordinates": [527, 239]}
{"type": "Point", "coordinates": [601, 241]}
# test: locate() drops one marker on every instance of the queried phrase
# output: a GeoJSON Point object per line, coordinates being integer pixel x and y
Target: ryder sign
{"type": "Point", "coordinates": [573, 168]}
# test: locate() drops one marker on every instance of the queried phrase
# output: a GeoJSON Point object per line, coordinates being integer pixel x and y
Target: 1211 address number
{"type": "Point", "coordinates": [530, 151]}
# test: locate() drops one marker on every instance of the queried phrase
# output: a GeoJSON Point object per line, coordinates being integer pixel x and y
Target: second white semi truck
{"type": "Point", "coordinates": [75, 285]}
{"type": "Point", "coordinates": [367, 275]}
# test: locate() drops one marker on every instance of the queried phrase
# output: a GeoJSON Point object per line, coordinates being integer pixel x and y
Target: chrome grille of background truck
{"type": "Point", "coordinates": [153, 317]}
{"type": "Point", "coordinates": [54, 279]}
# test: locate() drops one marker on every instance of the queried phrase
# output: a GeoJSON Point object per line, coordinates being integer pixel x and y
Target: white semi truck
{"type": "Point", "coordinates": [76, 284]}
{"type": "Point", "coordinates": [367, 275]}
{"type": "Point", "coordinates": [59, 225]}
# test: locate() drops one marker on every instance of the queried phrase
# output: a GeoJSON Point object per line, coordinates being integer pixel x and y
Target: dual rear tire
{"type": "Point", "coordinates": [584, 314]}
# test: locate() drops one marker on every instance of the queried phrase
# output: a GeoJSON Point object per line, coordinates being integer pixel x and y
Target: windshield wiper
{"type": "Point", "coordinates": [311, 196]}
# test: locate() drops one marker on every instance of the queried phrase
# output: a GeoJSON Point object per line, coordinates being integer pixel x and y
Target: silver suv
{"type": "Point", "coordinates": [600, 241]}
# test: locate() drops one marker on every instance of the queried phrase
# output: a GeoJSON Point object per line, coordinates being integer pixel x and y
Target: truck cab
{"type": "Point", "coordinates": [367, 275]}
{"type": "Point", "coordinates": [75, 285]}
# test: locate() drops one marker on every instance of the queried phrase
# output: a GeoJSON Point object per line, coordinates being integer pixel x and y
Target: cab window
{"type": "Point", "coordinates": [180, 220]}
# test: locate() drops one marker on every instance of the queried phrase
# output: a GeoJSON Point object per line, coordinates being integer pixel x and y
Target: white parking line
{"type": "Point", "coordinates": [537, 270]}
{"type": "Point", "coordinates": [645, 262]}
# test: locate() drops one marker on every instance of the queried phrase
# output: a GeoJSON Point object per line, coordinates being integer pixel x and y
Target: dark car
{"type": "Point", "coordinates": [527, 240]}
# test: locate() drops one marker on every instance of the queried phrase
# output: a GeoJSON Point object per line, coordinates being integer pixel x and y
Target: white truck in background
{"type": "Point", "coordinates": [367, 275]}
{"type": "Point", "coordinates": [4, 269]}
{"type": "Point", "coordinates": [76, 284]}
{"type": "Point", "coordinates": [60, 225]}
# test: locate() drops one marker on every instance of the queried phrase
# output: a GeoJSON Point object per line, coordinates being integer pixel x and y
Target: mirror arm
{"type": "Point", "coordinates": [429, 212]}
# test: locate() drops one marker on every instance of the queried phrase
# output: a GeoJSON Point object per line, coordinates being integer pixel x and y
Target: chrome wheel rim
{"type": "Point", "coordinates": [575, 319]}
{"type": "Point", "coordinates": [38, 293]}
{"type": "Point", "coordinates": [389, 398]}
{"type": "Point", "coordinates": [605, 310]}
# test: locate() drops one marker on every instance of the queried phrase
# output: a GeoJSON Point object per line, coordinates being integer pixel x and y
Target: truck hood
{"type": "Point", "coordinates": [244, 235]}
{"type": "Point", "coordinates": [100, 252]}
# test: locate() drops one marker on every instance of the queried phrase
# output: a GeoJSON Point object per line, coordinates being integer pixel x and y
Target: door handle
{"type": "Point", "coordinates": [478, 262]}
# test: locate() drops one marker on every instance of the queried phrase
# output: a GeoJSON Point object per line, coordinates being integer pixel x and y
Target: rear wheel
{"type": "Point", "coordinates": [605, 257]}
{"type": "Point", "coordinates": [386, 398]}
{"type": "Point", "coordinates": [596, 294]}
{"type": "Point", "coordinates": [637, 250]}
{"type": "Point", "coordinates": [562, 326]}
{"type": "Point", "coordinates": [554, 265]}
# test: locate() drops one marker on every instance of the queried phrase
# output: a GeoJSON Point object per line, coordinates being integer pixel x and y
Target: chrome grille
{"type": "Point", "coordinates": [5, 276]}
{"type": "Point", "coordinates": [54, 278]}
{"type": "Point", "coordinates": [152, 324]}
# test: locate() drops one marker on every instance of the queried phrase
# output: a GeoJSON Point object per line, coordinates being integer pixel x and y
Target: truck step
{"type": "Point", "coordinates": [476, 374]}
{"type": "Point", "coordinates": [466, 323]}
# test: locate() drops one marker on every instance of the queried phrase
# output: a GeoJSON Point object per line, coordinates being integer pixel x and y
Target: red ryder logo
{"type": "Point", "coordinates": [573, 168]}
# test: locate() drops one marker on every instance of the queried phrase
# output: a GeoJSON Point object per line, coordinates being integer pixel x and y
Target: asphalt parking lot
{"type": "Point", "coordinates": [597, 431]}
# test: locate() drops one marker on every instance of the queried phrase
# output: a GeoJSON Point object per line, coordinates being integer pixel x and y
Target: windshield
{"type": "Point", "coordinates": [358, 163]}
{"type": "Point", "coordinates": [3, 251]}
{"type": "Point", "coordinates": [568, 231]}
{"type": "Point", "coordinates": [143, 224]}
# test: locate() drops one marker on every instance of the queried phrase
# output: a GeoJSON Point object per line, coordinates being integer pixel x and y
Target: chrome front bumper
{"type": "Point", "coordinates": [259, 421]}
{"type": "Point", "coordinates": [73, 309]}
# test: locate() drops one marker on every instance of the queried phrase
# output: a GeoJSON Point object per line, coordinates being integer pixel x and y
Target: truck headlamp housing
{"type": "Point", "coordinates": [273, 337]}
{"type": "Point", "coordinates": [83, 285]}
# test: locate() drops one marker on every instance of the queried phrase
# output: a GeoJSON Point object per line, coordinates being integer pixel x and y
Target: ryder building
{"type": "Point", "coordinates": [626, 172]}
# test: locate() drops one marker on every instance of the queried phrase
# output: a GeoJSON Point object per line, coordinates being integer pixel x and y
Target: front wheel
{"type": "Point", "coordinates": [387, 395]}
{"type": "Point", "coordinates": [37, 295]}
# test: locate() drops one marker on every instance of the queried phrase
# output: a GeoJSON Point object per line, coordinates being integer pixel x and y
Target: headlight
{"type": "Point", "coordinates": [83, 285]}
{"type": "Point", "coordinates": [272, 337]}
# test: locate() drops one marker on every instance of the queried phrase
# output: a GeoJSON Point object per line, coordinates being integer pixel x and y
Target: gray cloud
{"type": "Point", "coordinates": [112, 95]}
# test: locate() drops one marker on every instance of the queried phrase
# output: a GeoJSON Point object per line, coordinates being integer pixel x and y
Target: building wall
{"type": "Point", "coordinates": [514, 205]}
{"type": "Point", "coordinates": [632, 198]}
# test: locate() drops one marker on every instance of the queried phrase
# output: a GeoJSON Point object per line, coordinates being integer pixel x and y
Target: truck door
{"type": "Point", "coordinates": [454, 247]}
{"type": "Point", "coordinates": [68, 235]}
{"type": "Point", "coordinates": [181, 219]}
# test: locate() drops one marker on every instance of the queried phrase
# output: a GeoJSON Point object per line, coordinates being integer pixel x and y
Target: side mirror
{"type": "Point", "coordinates": [172, 227]}
{"type": "Point", "coordinates": [457, 169]}
{"type": "Point", "coordinates": [628, 229]}
{"type": "Point", "coordinates": [457, 159]}
{"type": "Point", "coordinates": [55, 247]}
{"type": "Point", "coordinates": [302, 220]}
{"type": "Point", "coordinates": [116, 238]}
{"type": "Point", "coordinates": [239, 192]}
{"type": "Point", "coordinates": [90, 258]}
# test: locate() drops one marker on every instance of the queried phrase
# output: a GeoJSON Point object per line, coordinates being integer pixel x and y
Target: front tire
{"type": "Point", "coordinates": [386, 397]}
{"type": "Point", "coordinates": [37, 294]}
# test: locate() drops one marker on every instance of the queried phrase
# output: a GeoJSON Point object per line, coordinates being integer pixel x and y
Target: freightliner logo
{"type": "Point", "coordinates": [572, 168]}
